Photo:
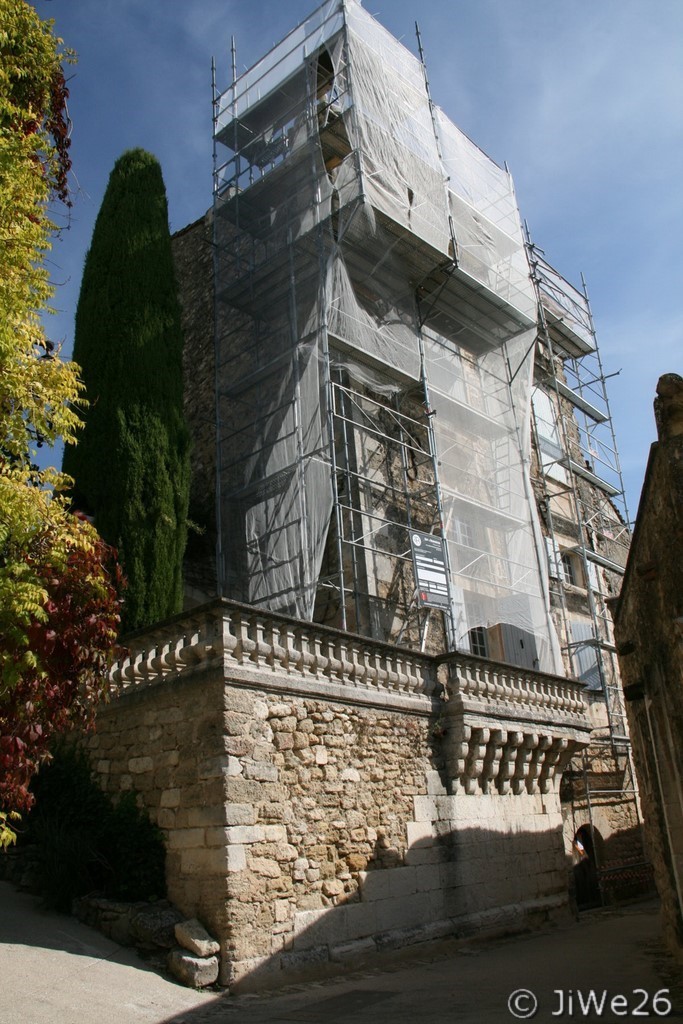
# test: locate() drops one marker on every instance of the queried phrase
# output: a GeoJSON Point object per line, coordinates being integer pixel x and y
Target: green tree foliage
{"type": "Point", "coordinates": [131, 466]}
{"type": "Point", "coordinates": [58, 606]}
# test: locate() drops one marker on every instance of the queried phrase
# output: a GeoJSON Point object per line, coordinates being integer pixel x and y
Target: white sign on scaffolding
{"type": "Point", "coordinates": [431, 573]}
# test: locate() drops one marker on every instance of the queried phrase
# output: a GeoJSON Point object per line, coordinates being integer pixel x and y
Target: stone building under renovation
{"type": "Point", "coordinates": [392, 709]}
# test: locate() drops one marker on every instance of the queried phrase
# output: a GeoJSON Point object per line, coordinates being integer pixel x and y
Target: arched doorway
{"type": "Point", "coordinates": [585, 872]}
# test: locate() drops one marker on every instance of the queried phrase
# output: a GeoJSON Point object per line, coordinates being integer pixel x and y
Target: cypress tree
{"type": "Point", "coordinates": [131, 465]}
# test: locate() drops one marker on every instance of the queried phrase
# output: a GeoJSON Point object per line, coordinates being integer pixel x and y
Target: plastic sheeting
{"type": "Point", "coordinates": [275, 481]}
{"type": "Point", "coordinates": [281, 63]}
{"type": "Point", "coordinates": [565, 306]}
{"type": "Point", "coordinates": [489, 519]}
{"type": "Point", "coordinates": [336, 224]}
{"type": "Point", "coordinates": [372, 322]}
{"type": "Point", "coordinates": [402, 173]}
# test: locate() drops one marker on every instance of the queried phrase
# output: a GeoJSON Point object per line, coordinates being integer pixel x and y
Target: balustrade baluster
{"type": "Point", "coordinates": [278, 652]}
{"type": "Point", "coordinates": [258, 651]}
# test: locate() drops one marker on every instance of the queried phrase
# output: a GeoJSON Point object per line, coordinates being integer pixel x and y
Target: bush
{"type": "Point", "coordinates": [86, 842]}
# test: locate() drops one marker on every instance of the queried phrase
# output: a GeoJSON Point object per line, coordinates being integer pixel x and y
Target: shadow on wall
{"type": "Point", "coordinates": [609, 871]}
{"type": "Point", "coordinates": [466, 882]}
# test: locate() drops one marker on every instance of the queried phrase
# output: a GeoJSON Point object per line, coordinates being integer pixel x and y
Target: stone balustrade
{"type": "Point", "coordinates": [509, 730]}
{"type": "Point", "coordinates": [248, 643]}
{"type": "Point", "coordinates": [241, 638]}
{"type": "Point", "coordinates": [478, 680]}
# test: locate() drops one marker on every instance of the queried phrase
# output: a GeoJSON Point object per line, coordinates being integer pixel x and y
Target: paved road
{"type": "Point", "coordinates": [54, 970]}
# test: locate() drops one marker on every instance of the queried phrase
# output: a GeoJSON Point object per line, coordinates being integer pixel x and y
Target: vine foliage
{"type": "Point", "coordinates": [58, 581]}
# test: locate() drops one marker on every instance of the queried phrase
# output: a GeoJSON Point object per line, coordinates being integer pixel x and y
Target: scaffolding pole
{"type": "Point", "coordinates": [578, 378]}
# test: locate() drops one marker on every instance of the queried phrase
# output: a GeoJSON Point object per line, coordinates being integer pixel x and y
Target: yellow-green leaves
{"type": "Point", "coordinates": [51, 562]}
{"type": "Point", "coordinates": [38, 391]}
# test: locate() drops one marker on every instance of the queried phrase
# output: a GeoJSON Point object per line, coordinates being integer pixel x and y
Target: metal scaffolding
{"type": "Point", "coordinates": [375, 319]}
{"type": "Point", "coordinates": [587, 535]}
{"type": "Point", "coordinates": [387, 340]}
{"type": "Point", "coordinates": [583, 493]}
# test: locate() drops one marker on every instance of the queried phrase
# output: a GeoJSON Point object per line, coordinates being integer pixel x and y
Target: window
{"type": "Point", "coordinates": [584, 654]}
{"type": "Point", "coordinates": [477, 634]}
{"type": "Point", "coordinates": [479, 641]}
{"type": "Point", "coordinates": [563, 565]}
{"type": "Point", "coordinates": [555, 565]}
{"type": "Point", "coordinates": [463, 533]}
{"type": "Point", "coordinates": [569, 567]}
{"type": "Point", "coordinates": [549, 436]}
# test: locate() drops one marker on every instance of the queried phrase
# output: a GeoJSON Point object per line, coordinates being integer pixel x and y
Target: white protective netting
{"type": "Point", "coordinates": [566, 308]}
{"type": "Point", "coordinates": [345, 240]}
{"type": "Point", "coordinates": [275, 482]}
{"type": "Point", "coordinates": [482, 440]}
{"type": "Point", "coordinates": [402, 175]}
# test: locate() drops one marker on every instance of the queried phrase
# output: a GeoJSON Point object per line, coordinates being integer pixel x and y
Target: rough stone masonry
{"type": "Point", "coordinates": [320, 798]}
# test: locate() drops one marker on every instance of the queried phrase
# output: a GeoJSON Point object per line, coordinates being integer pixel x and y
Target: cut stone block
{"type": "Point", "coordinates": [193, 936]}
{"type": "Point", "coordinates": [193, 971]}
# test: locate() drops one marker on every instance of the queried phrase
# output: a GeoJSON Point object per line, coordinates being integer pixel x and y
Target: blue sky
{"type": "Point", "coordinates": [583, 100]}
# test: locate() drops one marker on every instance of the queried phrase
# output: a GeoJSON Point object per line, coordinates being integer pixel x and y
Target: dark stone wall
{"type": "Point", "coordinates": [648, 632]}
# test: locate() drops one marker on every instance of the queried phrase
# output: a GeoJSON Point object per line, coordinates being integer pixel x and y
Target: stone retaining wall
{"type": "Point", "coordinates": [313, 817]}
{"type": "Point", "coordinates": [165, 742]}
